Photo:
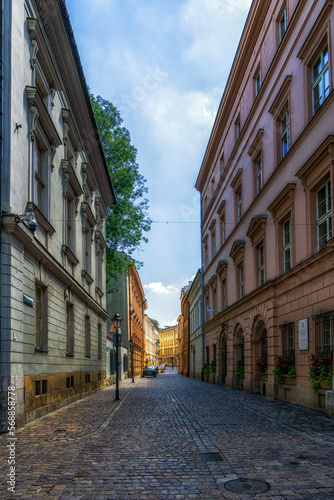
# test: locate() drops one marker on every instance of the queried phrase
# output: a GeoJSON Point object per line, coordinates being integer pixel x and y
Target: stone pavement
{"type": "Point", "coordinates": [155, 444]}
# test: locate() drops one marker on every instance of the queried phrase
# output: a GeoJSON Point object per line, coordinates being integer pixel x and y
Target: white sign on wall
{"type": "Point", "coordinates": [303, 334]}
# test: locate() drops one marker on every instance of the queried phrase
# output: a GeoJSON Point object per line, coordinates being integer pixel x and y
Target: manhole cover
{"type": "Point", "coordinates": [212, 457]}
{"type": "Point", "coordinates": [247, 486]}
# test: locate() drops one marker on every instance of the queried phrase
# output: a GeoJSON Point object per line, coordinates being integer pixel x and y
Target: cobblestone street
{"type": "Point", "coordinates": [155, 444]}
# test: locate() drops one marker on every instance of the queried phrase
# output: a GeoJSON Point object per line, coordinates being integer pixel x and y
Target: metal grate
{"type": "Point", "coordinates": [212, 457]}
{"type": "Point", "coordinates": [243, 485]}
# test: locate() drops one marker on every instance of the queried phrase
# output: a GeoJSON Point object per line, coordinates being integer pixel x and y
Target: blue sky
{"type": "Point", "coordinates": [164, 64]}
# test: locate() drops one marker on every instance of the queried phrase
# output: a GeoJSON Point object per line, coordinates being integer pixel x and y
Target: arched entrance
{"type": "Point", "coordinates": [239, 357]}
{"type": "Point", "coordinates": [260, 357]}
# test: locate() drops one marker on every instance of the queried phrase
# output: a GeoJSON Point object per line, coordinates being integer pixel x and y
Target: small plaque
{"type": "Point", "coordinates": [28, 300]}
{"type": "Point", "coordinates": [303, 334]}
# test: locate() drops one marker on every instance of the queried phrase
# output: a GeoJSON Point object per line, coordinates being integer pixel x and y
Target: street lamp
{"type": "Point", "coordinates": [116, 320]}
{"type": "Point", "coordinates": [132, 345]}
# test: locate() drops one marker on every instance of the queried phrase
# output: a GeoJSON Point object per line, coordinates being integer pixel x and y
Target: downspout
{"type": "Point", "coordinates": [1, 150]}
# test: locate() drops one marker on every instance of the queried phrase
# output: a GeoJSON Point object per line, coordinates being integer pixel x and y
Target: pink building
{"type": "Point", "coordinates": [266, 182]}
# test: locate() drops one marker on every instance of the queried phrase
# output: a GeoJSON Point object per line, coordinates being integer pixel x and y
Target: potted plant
{"type": "Point", "coordinates": [212, 372]}
{"type": "Point", "coordinates": [321, 369]}
{"type": "Point", "coordinates": [206, 370]}
{"type": "Point", "coordinates": [261, 365]}
{"type": "Point", "coordinates": [284, 368]}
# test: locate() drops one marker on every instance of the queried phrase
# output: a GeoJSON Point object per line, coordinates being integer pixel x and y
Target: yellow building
{"type": "Point", "coordinates": [169, 345]}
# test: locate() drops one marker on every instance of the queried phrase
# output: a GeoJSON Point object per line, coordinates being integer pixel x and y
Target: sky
{"type": "Point", "coordinates": [164, 64]}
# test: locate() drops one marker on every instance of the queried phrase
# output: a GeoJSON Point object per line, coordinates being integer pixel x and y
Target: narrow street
{"type": "Point", "coordinates": [156, 443]}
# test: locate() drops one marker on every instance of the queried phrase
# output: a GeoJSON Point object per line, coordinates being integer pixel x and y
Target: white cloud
{"type": "Point", "coordinates": [159, 289]}
{"type": "Point", "coordinates": [212, 26]}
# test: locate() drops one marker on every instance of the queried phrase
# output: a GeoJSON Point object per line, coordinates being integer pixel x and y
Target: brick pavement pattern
{"type": "Point", "coordinates": [154, 444]}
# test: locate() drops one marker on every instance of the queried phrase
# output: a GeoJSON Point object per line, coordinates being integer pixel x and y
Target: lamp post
{"type": "Point", "coordinates": [132, 345]}
{"type": "Point", "coordinates": [157, 343]}
{"type": "Point", "coordinates": [117, 324]}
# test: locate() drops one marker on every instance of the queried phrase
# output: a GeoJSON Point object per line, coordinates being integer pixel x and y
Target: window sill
{"type": "Point", "coordinates": [39, 349]}
{"type": "Point", "coordinates": [70, 355]}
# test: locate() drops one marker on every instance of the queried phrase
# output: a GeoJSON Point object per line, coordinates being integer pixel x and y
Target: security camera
{"type": "Point", "coordinates": [32, 225]}
{"type": "Point", "coordinates": [30, 219]}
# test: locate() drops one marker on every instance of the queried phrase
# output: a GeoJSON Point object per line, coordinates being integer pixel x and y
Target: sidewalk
{"type": "Point", "coordinates": [173, 438]}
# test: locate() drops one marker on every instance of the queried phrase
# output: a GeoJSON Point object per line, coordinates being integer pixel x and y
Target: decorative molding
{"type": "Point", "coordinates": [326, 149]}
{"type": "Point", "coordinates": [222, 268]}
{"type": "Point", "coordinates": [100, 239]}
{"type": "Point", "coordinates": [287, 195]}
{"type": "Point", "coordinates": [71, 131]}
{"type": "Point", "coordinates": [256, 229]}
{"type": "Point", "coordinates": [257, 143]}
{"type": "Point", "coordinates": [88, 217]}
{"type": "Point", "coordinates": [277, 104]}
{"type": "Point", "coordinates": [237, 251]}
{"type": "Point", "coordinates": [235, 184]}
{"type": "Point", "coordinates": [312, 37]}
{"type": "Point", "coordinates": [70, 178]}
{"type": "Point", "coordinates": [70, 255]}
{"type": "Point", "coordinates": [42, 117]}
{"type": "Point", "coordinates": [87, 276]}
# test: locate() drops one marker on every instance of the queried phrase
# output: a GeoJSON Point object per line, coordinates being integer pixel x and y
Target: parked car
{"type": "Point", "coordinates": [150, 371]}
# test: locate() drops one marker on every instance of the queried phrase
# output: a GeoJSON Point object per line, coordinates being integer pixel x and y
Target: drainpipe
{"type": "Point", "coordinates": [1, 146]}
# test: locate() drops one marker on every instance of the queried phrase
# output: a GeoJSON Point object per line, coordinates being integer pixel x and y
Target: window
{"type": "Point", "coordinates": [241, 281]}
{"type": "Point", "coordinates": [285, 134]}
{"type": "Point", "coordinates": [324, 328]}
{"type": "Point", "coordinates": [261, 264]}
{"type": "Point", "coordinates": [287, 245]}
{"type": "Point", "coordinates": [288, 339]}
{"type": "Point", "coordinates": [259, 178]}
{"type": "Point", "coordinates": [324, 215]}
{"type": "Point", "coordinates": [87, 336]}
{"type": "Point", "coordinates": [213, 244]}
{"type": "Point", "coordinates": [207, 354]}
{"type": "Point", "coordinates": [223, 229]}
{"type": "Point", "coordinates": [257, 83]}
{"type": "Point", "coordinates": [239, 204]}
{"type": "Point", "coordinates": [41, 318]}
{"type": "Point", "coordinates": [40, 178]}
{"type": "Point", "coordinates": [283, 24]}
{"type": "Point", "coordinates": [320, 79]}
{"type": "Point", "coordinates": [237, 128]}
{"type": "Point", "coordinates": [224, 294]}
{"type": "Point", "coordinates": [70, 329]}
{"type": "Point", "coordinates": [222, 164]}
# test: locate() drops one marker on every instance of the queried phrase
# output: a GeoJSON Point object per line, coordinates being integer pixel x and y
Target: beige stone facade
{"type": "Point", "coordinates": [266, 182]}
{"type": "Point", "coordinates": [168, 347]}
{"type": "Point", "coordinates": [54, 174]}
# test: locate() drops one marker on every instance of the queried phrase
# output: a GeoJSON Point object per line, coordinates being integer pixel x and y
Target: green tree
{"type": "Point", "coordinates": [127, 220]}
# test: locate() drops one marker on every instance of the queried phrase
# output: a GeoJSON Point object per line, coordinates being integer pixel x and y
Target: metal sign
{"type": "Point", "coordinates": [303, 334]}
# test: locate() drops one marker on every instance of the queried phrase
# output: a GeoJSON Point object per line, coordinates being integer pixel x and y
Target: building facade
{"type": "Point", "coordinates": [168, 347]}
{"type": "Point", "coordinates": [266, 182]}
{"type": "Point", "coordinates": [183, 321]}
{"type": "Point", "coordinates": [195, 327]}
{"type": "Point", "coordinates": [128, 300]}
{"type": "Point", "coordinates": [151, 328]}
{"type": "Point", "coordinates": [138, 306]}
{"type": "Point", "coordinates": [55, 190]}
